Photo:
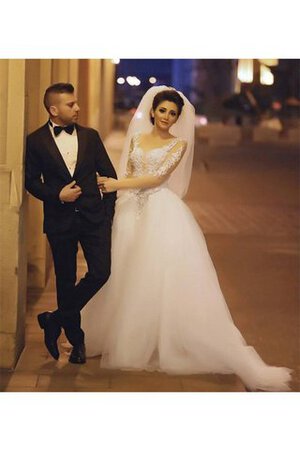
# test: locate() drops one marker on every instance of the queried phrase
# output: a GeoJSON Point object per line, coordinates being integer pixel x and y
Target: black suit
{"type": "Point", "coordinates": [87, 220]}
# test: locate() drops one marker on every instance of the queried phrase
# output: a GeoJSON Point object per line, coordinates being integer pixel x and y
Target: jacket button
{"type": "Point", "coordinates": [76, 210]}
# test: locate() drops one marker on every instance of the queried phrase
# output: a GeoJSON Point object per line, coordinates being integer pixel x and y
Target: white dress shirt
{"type": "Point", "coordinates": [67, 145]}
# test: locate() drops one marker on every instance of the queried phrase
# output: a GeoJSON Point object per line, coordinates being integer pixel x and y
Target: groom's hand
{"type": "Point", "coordinates": [70, 192]}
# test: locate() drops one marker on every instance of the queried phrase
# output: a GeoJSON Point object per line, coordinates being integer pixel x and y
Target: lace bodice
{"type": "Point", "coordinates": [157, 161]}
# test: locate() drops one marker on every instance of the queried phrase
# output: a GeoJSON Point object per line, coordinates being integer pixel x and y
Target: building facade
{"type": "Point", "coordinates": [24, 254]}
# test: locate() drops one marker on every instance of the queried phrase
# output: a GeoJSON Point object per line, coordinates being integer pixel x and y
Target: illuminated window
{"type": "Point", "coordinates": [269, 62]}
{"type": "Point", "coordinates": [266, 76]}
{"type": "Point", "coordinates": [245, 70]}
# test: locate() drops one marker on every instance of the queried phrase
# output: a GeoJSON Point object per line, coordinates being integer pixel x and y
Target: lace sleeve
{"type": "Point", "coordinates": [172, 160]}
{"type": "Point", "coordinates": [128, 171]}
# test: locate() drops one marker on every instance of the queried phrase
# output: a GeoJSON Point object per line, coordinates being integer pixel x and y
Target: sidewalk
{"type": "Point", "coordinates": [246, 201]}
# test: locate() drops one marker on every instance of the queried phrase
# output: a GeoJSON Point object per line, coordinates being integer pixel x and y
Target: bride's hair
{"type": "Point", "coordinates": [170, 95]}
{"type": "Point", "coordinates": [183, 128]}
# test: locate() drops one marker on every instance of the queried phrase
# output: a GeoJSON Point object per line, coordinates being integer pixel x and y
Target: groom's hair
{"type": "Point", "coordinates": [58, 88]}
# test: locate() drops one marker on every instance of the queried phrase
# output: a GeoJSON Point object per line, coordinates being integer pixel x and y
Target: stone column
{"type": "Point", "coordinates": [60, 70]}
{"type": "Point", "coordinates": [93, 92]}
{"type": "Point", "coordinates": [13, 260]}
{"type": "Point", "coordinates": [74, 72]}
{"type": "Point", "coordinates": [107, 97]}
{"type": "Point", "coordinates": [96, 94]}
{"type": "Point", "coordinates": [38, 78]}
{"type": "Point", "coordinates": [82, 91]}
{"type": "Point", "coordinates": [22, 85]}
{"type": "Point", "coordinates": [41, 73]}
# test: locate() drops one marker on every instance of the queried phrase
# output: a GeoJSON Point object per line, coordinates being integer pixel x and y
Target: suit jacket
{"type": "Point", "coordinates": [46, 174]}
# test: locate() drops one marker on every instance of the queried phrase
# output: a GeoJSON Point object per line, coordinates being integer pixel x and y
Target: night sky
{"type": "Point", "coordinates": [167, 72]}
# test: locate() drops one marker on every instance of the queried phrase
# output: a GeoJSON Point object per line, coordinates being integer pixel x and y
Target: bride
{"type": "Point", "coordinates": [162, 308]}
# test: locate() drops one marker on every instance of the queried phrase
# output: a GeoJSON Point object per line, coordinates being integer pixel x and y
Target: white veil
{"type": "Point", "coordinates": [184, 128]}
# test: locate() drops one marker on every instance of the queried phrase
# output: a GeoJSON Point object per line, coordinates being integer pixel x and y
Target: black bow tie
{"type": "Point", "coordinates": [69, 129]}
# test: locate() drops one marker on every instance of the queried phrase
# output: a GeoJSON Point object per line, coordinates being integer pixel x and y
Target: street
{"type": "Point", "coordinates": [246, 200]}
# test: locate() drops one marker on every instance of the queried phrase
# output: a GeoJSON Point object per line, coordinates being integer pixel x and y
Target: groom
{"type": "Point", "coordinates": [62, 159]}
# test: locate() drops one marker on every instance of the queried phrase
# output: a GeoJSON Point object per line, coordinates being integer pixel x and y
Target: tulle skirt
{"type": "Point", "coordinates": [162, 308]}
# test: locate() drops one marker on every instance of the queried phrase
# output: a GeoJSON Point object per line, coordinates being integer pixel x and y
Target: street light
{"type": "Point", "coordinates": [133, 81]}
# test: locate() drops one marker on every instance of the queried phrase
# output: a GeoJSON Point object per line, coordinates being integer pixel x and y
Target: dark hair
{"type": "Point", "coordinates": [58, 88]}
{"type": "Point", "coordinates": [169, 95]}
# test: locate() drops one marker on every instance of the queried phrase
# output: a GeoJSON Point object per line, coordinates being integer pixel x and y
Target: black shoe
{"type": "Point", "coordinates": [51, 332]}
{"type": "Point", "coordinates": [78, 354]}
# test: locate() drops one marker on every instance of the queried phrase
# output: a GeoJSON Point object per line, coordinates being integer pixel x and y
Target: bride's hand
{"type": "Point", "coordinates": [108, 185]}
{"type": "Point", "coordinates": [100, 179]}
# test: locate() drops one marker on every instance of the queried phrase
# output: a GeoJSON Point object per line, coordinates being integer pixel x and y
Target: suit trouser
{"type": "Point", "coordinates": [95, 241]}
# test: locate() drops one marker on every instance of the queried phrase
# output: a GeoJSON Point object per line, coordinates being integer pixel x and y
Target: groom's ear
{"type": "Point", "coordinates": [53, 111]}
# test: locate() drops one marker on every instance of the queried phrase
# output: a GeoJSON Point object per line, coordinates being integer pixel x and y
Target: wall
{"type": "Point", "coordinates": [22, 244]}
{"type": "Point", "coordinates": [13, 258]}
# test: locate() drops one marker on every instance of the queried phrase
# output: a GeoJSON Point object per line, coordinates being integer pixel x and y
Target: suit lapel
{"type": "Point", "coordinates": [82, 140]}
{"type": "Point", "coordinates": [54, 151]}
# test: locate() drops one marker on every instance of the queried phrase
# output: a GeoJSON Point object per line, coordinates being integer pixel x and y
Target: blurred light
{"type": "Point", "coordinates": [139, 115]}
{"type": "Point", "coordinates": [115, 61]}
{"type": "Point", "coordinates": [269, 62]}
{"type": "Point", "coordinates": [245, 70]}
{"type": "Point", "coordinates": [129, 80]}
{"type": "Point", "coordinates": [266, 76]}
{"type": "Point", "coordinates": [277, 106]}
{"type": "Point", "coordinates": [152, 80]}
{"type": "Point", "coordinates": [121, 80]}
{"type": "Point", "coordinates": [201, 121]}
{"type": "Point", "coordinates": [237, 86]}
{"type": "Point", "coordinates": [133, 81]}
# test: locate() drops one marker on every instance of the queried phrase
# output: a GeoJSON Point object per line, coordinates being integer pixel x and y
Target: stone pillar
{"type": "Point", "coordinates": [74, 72]}
{"type": "Point", "coordinates": [41, 73]}
{"type": "Point", "coordinates": [82, 91]}
{"type": "Point", "coordinates": [60, 70]}
{"type": "Point", "coordinates": [38, 78]}
{"type": "Point", "coordinates": [13, 260]}
{"type": "Point", "coordinates": [107, 97]}
{"type": "Point", "coordinates": [22, 85]}
{"type": "Point", "coordinates": [96, 94]}
{"type": "Point", "coordinates": [93, 92]}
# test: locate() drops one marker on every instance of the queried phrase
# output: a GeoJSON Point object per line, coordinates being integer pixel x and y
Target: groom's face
{"type": "Point", "coordinates": [64, 108]}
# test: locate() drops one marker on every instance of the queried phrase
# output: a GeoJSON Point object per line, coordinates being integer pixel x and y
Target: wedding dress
{"type": "Point", "coordinates": [162, 307]}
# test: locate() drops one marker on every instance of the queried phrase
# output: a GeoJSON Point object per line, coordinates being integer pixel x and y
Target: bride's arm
{"type": "Point", "coordinates": [128, 171]}
{"type": "Point", "coordinates": [149, 181]}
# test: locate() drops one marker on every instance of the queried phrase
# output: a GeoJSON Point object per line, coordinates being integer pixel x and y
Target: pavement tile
{"type": "Point", "coordinates": [125, 382]}
{"type": "Point", "coordinates": [246, 201]}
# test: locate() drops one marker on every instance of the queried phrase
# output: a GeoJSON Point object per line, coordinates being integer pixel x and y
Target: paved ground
{"type": "Point", "coordinates": [246, 200]}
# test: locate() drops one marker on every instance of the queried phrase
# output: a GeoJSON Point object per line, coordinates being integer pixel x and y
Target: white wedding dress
{"type": "Point", "coordinates": [162, 308]}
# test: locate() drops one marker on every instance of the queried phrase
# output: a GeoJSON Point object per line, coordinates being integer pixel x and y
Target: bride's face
{"type": "Point", "coordinates": [165, 115]}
